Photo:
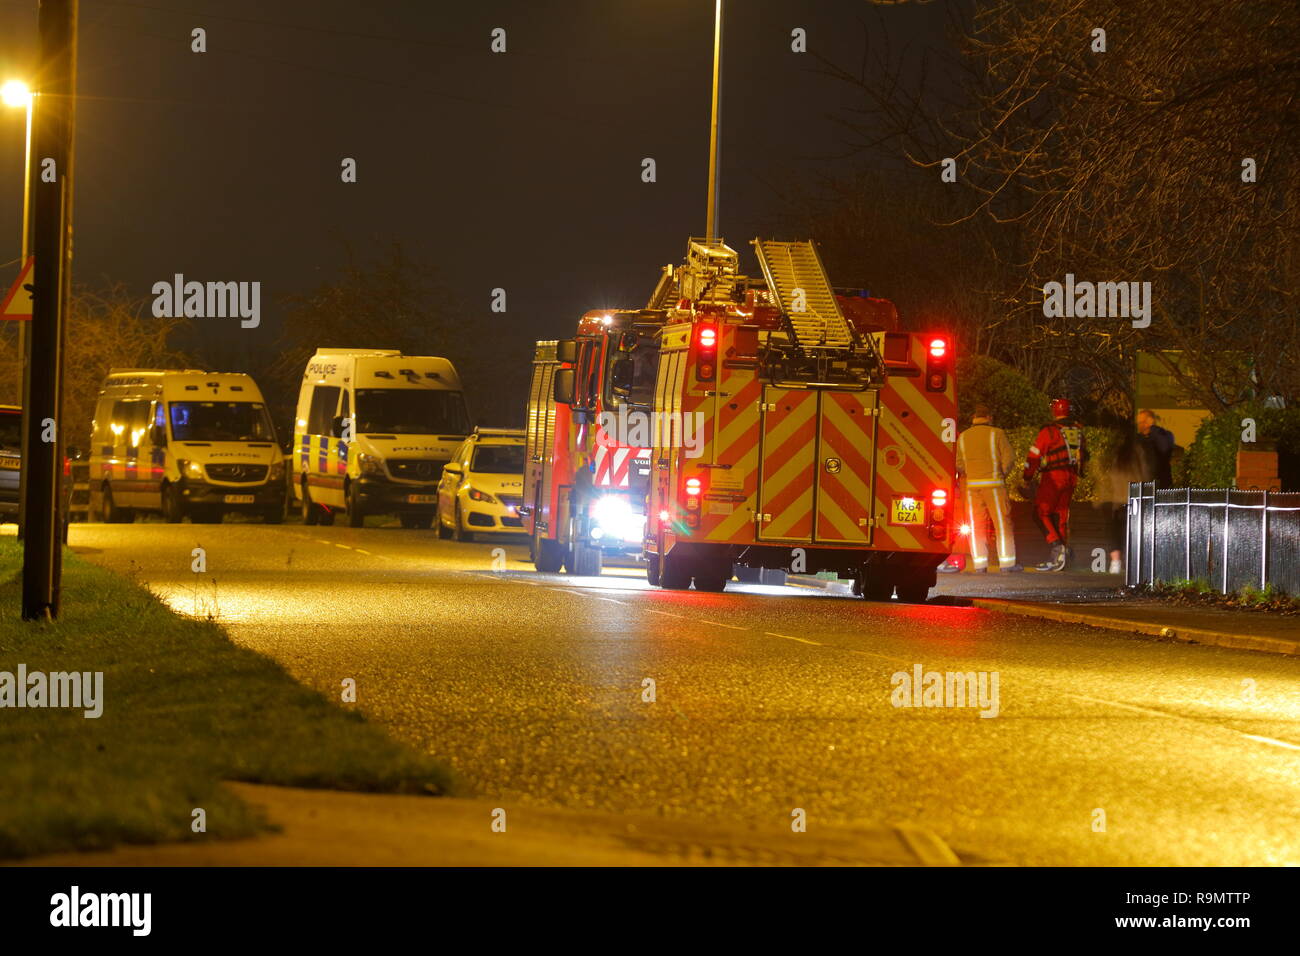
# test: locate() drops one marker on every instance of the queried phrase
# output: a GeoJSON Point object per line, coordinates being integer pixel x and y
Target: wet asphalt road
{"type": "Point", "coordinates": [531, 688]}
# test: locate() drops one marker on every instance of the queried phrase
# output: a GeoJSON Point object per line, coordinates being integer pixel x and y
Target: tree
{"type": "Point", "coordinates": [106, 329]}
{"type": "Point", "coordinates": [1131, 162]}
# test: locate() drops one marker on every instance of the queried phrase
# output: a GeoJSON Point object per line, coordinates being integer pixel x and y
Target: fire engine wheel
{"type": "Point", "coordinates": [652, 570]}
{"type": "Point", "coordinates": [913, 592]}
{"type": "Point", "coordinates": [585, 562]}
{"type": "Point", "coordinates": [712, 574]}
{"type": "Point", "coordinates": [873, 588]}
{"type": "Point", "coordinates": [548, 556]}
{"type": "Point", "coordinates": [675, 575]}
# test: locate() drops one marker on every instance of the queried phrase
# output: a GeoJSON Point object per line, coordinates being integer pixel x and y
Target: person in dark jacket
{"type": "Point", "coordinates": [1158, 447]}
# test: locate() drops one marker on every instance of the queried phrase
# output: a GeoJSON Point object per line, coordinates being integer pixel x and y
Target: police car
{"type": "Point", "coordinates": [483, 485]}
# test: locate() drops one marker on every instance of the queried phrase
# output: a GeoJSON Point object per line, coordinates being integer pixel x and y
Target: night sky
{"type": "Point", "coordinates": [518, 170]}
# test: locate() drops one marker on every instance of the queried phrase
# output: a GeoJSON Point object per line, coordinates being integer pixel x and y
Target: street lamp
{"type": "Point", "coordinates": [16, 93]}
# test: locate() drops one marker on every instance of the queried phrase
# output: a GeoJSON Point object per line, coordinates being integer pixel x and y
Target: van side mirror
{"type": "Point", "coordinates": [562, 389]}
{"type": "Point", "coordinates": [566, 350]}
{"type": "Point", "coordinates": [620, 376]}
{"type": "Point", "coordinates": [157, 435]}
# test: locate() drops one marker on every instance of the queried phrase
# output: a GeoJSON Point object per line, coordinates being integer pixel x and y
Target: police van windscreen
{"type": "Point", "coordinates": [411, 411]}
{"type": "Point", "coordinates": [220, 421]}
{"type": "Point", "coordinates": [498, 460]}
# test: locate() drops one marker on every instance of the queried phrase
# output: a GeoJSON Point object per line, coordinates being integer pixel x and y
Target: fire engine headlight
{"type": "Point", "coordinates": [277, 471]}
{"type": "Point", "coordinates": [483, 496]}
{"type": "Point", "coordinates": [614, 517]}
{"type": "Point", "coordinates": [370, 464]}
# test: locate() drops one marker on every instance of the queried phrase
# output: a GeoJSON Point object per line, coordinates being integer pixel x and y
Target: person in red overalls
{"type": "Point", "coordinates": [1058, 456]}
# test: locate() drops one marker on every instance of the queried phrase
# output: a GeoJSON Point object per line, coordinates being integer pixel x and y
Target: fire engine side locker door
{"type": "Point", "coordinates": [788, 458]}
{"type": "Point", "coordinates": [845, 467]}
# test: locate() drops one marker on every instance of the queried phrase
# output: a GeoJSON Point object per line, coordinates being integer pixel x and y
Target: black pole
{"type": "Point", "coordinates": [51, 245]}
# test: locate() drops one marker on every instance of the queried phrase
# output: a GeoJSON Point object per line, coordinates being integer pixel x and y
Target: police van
{"type": "Point", "coordinates": [184, 443]}
{"type": "Point", "coordinates": [373, 430]}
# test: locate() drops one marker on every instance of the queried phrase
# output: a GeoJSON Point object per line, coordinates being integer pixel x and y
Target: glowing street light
{"type": "Point", "coordinates": [15, 93]}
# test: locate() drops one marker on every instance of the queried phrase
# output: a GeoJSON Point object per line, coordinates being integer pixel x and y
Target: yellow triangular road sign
{"type": "Point", "coordinates": [18, 301]}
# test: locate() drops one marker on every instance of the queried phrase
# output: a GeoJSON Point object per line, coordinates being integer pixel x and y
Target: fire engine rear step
{"type": "Point", "coordinates": [796, 277]}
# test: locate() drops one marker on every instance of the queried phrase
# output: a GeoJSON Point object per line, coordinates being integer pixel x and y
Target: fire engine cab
{"type": "Point", "coordinates": [828, 434]}
{"type": "Point", "coordinates": [588, 442]}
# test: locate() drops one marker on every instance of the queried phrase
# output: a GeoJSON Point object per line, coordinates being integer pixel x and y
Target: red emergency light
{"type": "Point", "coordinates": [706, 367]}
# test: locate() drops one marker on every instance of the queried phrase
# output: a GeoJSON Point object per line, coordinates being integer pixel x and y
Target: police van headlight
{"type": "Point", "coordinates": [190, 469]}
{"type": "Point", "coordinates": [614, 518]}
{"type": "Point", "coordinates": [277, 471]}
{"type": "Point", "coordinates": [370, 464]}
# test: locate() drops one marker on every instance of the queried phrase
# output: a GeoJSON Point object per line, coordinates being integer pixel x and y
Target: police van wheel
{"type": "Point", "coordinates": [548, 556]}
{"type": "Point", "coordinates": [112, 513]}
{"type": "Point", "coordinates": [324, 516]}
{"type": "Point", "coordinates": [310, 513]}
{"type": "Point", "coordinates": [356, 516]}
{"type": "Point", "coordinates": [172, 507]}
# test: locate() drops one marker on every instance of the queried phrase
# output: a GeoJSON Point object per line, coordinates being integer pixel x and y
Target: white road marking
{"type": "Point", "coordinates": [789, 638]}
{"type": "Point", "coordinates": [734, 627]}
{"type": "Point", "coordinates": [669, 614]}
{"type": "Point", "coordinates": [1270, 741]}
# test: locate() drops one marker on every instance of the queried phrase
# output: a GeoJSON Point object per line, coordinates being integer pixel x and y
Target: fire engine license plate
{"type": "Point", "coordinates": [239, 499]}
{"type": "Point", "coordinates": [421, 499]}
{"type": "Point", "coordinates": [907, 511]}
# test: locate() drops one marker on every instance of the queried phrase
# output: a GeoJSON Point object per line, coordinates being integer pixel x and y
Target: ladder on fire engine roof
{"type": "Point", "coordinates": [709, 275]}
{"type": "Point", "coordinates": [797, 279]}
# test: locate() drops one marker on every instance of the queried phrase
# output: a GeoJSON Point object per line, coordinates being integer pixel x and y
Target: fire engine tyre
{"type": "Point", "coordinates": [112, 513]}
{"type": "Point", "coordinates": [585, 562]}
{"type": "Point", "coordinates": [675, 575]}
{"type": "Point", "coordinates": [356, 514]}
{"type": "Point", "coordinates": [458, 530]}
{"type": "Point", "coordinates": [652, 570]}
{"type": "Point", "coordinates": [873, 588]}
{"type": "Point", "coordinates": [173, 509]}
{"type": "Point", "coordinates": [913, 591]}
{"type": "Point", "coordinates": [712, 574]}
{"type": "Point", "coordinates": [548, 556]}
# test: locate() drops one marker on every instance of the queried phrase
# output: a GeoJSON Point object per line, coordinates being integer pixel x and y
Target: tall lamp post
{"type": "Point", "coordinates": [711, 220]}
{"type": "Point", "coordinates": [15, 93]}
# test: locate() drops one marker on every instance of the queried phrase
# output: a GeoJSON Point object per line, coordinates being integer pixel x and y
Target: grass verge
{"type": "Point", "coordinates": [183, 709]}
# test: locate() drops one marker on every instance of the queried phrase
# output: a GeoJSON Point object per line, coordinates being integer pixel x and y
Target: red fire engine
{"type": "Point", "coordinates": [588, 468]}
{"type": "Point", "coordinates": [828, 435]}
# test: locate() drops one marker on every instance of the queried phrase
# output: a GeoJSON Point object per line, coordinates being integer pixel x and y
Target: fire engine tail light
{"type": "Point", "coordinates": [706, 364]}
{"type": "Point", "coordinates": [936, 365]}
{"type": "Point", "coordinates": [938, 529]}
{"type": "Point", "coordinates": [692, 486]}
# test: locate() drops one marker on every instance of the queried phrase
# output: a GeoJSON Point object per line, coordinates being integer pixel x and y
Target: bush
{"type": "Point", "coordinates": [1014, 401]}
{"type": "Point", "coordinates": [1211, 461]}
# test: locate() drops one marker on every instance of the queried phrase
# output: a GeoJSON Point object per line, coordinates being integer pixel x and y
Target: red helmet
{"type": "Point", "coordinates": [1060, 408]}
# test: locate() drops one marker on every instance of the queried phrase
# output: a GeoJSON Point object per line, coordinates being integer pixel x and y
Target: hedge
{"type": "Point", "coordinates": [1211, 461]}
